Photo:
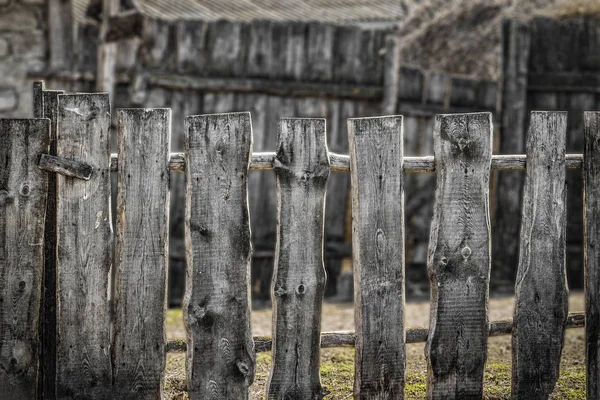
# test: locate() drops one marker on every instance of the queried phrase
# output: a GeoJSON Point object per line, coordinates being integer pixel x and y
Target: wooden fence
{"type": "Point", "coordinates": [80, 318]}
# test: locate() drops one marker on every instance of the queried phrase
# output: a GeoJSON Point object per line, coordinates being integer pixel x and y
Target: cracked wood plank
{"type": "Point", "coordinates": [591, 201]}
{"type": "Point", "coordinates": [376, 158]}
{"type": "Point", "coordinates": [541, 305]}
{"type": "Point", "coordinates": [141, 252]}
{"type": "Point", "coordinates": [220, 355]}
{"type": "Point", "coordinates": [22, 212]}
{"type": "Point", "coordinates": [302, 170]}
{"type": "Point", "coordinates": [84, 251]}
{"type": "Point", "coordinates": [459, 257]}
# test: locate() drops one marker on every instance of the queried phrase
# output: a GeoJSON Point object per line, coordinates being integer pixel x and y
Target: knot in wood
{"type": "Point", "coordinates": [444, 261]}
{"type": "Point", "coordinates": [24, 189]}
{"type": "Point", "coordinates": [466, 252]}
{"type": "Point", "coordinates": [280, 291]}
{"type": "Point", "coordinates": [242, 367]}
{"type": "Point", "coordinates": [462, 143]}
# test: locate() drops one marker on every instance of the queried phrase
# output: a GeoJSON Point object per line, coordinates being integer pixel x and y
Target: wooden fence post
{"type": "Point", "coordinates": [376, 161]}
{"type": "Point", "coordinates": [591, 210]}
{"type": "Point", "coordinates": [22, 209]}
{"type": "Point", "coordinates": [141, 252]}
{"type": "Point", "coordinates": [220, 350]}
{"type": "Point", "coordinates": [84, 250]}
{"type": "Point", "coordinates": [302, 169]}
{"type": "Point", "coordinates": [459, 257]}
{"type": "Point", "coordinates": [541, 304]}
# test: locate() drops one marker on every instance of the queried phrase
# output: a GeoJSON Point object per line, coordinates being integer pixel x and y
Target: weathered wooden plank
{"type": "Point", "coordinates": [347, 65]}
{"type": "Point", "coordinates": [319, 52]}
{"type": "Point", "coordinates": [66, 167]}
{"type": "Point", "coordinates": [220, 363]}
{"type": "Point", "coordinates": [191, 53]}
{"type": "Point", "coordinates": [458, 260]}
{"type": "Point", "coordinates": [22, 211]}
{"type": "Point", "coordinates": [376, 153]}
{"type": "Point", "coordinates": [38, 99]}
{"type": "Point", "coordinates": [391, 72]}
{"type": "Point", "coordinates": [516, 45]}
{"type": "Point", "coordinates": [227, 48]}
{"type": "Point", "coordinates": [60, 33]}
{"type": "Point", "coordinates": [141, 252]}
{"type": "Point", "coordinates": [591, 210]}
{"type": "Point", "coordinates": [541, 292]}
{"type": "Point", "coordinates": [302, 169]}
{"type": "Point", "coordinates": [260, 45]}
{"type": "Point", "coordinates": [48, 317]}
{"type": "Point", "coordinates": [84, 251]}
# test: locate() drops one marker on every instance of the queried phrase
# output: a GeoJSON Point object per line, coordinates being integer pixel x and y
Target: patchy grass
{"type": "Point", "coordinates": [337, 365]}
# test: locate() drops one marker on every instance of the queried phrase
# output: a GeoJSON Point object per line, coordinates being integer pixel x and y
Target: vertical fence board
{"type": "Point", "coordinates": [48, 313]}
{"type": "Point", "coordinates": [302, 169]}
{"type": "Point", "coordinates": [376, 159]}
{"type": "Point", "coordinates": [84, 250]}
{"type": "Point", "coordinates": [459, 256]}
{"type": "Point", "coordinates": [141, 252]}
{"type": "Point", "coordinates": [220, 358]}
{"type": "Point", "coordinates": [591, 201]}
{"type": "Point", "coordinates": [22, 211]}
{"type": "Point", "coordinates": [541, 294]}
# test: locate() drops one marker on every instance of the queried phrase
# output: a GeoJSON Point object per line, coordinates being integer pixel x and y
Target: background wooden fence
{"type": "Point", "coordinates": [91, 318]}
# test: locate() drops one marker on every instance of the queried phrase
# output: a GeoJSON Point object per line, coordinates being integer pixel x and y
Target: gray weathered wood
{"type": "Point", "coordinates": [458, 260]}
{"type": "Point", "coordinates": [38, 99]}
{"type": "Point", "coordinates": [391, 74]}
{"type": "Point", "coordinates": [505, 249]}
{"type": "Point", "coordinates": [413, 335]}
{"type": "Point", "coordinates": [66, 167]}
{"type": "Point", "coordinates": [84, 251]}
{"type": "Point", "coordinates": [302, 169]}
{"type": "Point", "coordinates": [591, 202]}
{"type": "Point", "coordinates": [141, 252]}
{"type": "Point", "coordinates": [22, 211]}
{"type": "Point", "coordinates": [220, 363]}
{"type": "Point", "coordinates": [541, 293]}
{"type": "Point", "coordinates": [48, 319]}
{"type": "Point", "coordinates": [376, 157]}
{"type": "Point", "coordinates": [60, 33]}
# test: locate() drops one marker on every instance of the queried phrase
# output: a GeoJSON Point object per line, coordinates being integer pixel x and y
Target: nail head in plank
{"type": "Point", "coordinates": [459, 256]}
{"type": "Point", "coordinates": [221, 361]}
{"type": "Point", "coordinates": [541, 304]}
{"type": "Point", "coordinates": [22, 211]}
{"type": "Point", "coordinates": [302, 170]}
{"type": "Point", "coordinates": [84, 250]}
{"type": "Point", "coordinates": [376, 158]}
{"type": "Point", "coordinates": [141, 252]}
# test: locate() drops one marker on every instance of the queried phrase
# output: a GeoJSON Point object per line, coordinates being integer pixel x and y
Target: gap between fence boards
{"type": "Point", "coordinates": [413, 335]}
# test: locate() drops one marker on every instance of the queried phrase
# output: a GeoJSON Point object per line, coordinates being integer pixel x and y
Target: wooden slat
{"type": "Point", "coordinates": [48, 319]}
{"type": "Point", "coordinates": [22, 210]}
{"type": "Point", "coordinates": [302, 169]}
{"type": "Point", "coordinates": [376, 156]}
{"type": "Point", "coordinates": [541, 293]}
{"type": "Point", "coordinates": [84, 250]}
{"type": "Point", "coordinates": [141, 252]}
{"type": "Point", "coordinates": [220, 363]}
{"type": "Point", "coordinates": [459, 257]}
{"type": "Point", "coordinates": [591, 201]}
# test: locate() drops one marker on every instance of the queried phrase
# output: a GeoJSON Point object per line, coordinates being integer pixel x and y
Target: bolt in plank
{"type": "Point", "coordinates": [84, 250]}
{"type": "Point", "coordinates": [541, 305]}
{"type": "Point", "coordinates": [141, 252]}
{"type": "Point", "coordinates": [591, 210]}
{"type": "Point", "coordinates": [22, 211]}
{"type": "Point", "coordinates": [376, 160]}
{"type": "Point", "coordinates": [302, 169]}
{"type": "Point", "coordinates": [220, 352]}
{"type": "Point", "coordinates": [459, 257]}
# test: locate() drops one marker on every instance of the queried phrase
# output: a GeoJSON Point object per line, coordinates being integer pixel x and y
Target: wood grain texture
{"type": "Point", "coordinates": [48, 319]}
{"type": "Point", "coordinates": [376, 156]}
{"type": "Point", "coordinates": [302, 169]}
{"type": "Point", "coordinates": [220, 358]}
{"type": "Point", "coordinates": [458, 259]}
{"type": "Point", "coordinates": [141, 252]}
{"type": "Point", "coordinates": [591, 218]}
{"type": "Point", "coordinates": [541, 305]}
{"type": "Point", "coordinates": [84, 251]}
{"type": "Point", "coordinates": [22, 211]}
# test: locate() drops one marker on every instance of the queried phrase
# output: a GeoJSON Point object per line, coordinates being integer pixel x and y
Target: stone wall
{"type": "Point", "coordinates": [23, 43]}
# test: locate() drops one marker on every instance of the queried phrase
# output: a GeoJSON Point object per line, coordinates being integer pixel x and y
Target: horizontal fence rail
{"type": "Point", "coordinates": [339, 163]}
